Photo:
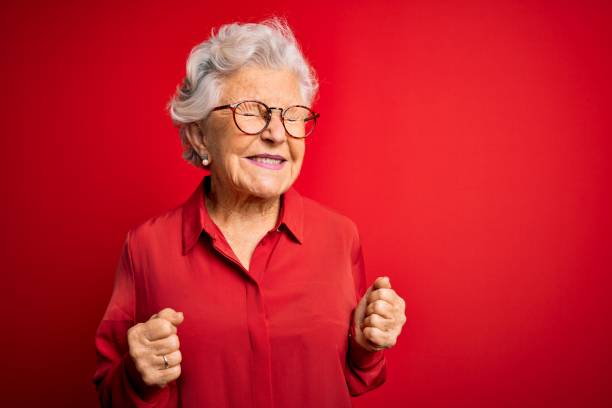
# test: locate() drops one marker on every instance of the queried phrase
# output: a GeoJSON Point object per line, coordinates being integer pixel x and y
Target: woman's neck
{"type": "Point", "coordinates": [233, 209]}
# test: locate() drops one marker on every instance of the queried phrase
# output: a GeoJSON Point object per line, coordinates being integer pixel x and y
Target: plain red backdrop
{"type": "Point", "coordinates": [470, 142]}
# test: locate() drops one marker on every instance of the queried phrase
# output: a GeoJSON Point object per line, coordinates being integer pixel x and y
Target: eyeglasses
{"type": "Point", "coordinates": [253, 117]}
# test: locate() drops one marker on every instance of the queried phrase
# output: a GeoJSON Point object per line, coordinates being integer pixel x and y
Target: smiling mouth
{"type": "Point", "coordinates": [267, 159]}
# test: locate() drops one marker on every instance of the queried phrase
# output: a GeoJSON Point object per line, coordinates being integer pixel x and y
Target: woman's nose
{"type": "Point", "coordinates": [275, 132]}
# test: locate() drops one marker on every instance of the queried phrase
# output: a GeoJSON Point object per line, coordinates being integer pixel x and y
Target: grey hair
{"type": "Point", "coordinates": [268, 44]}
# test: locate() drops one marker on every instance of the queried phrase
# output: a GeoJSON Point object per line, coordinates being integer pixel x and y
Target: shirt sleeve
{"type": "Point", "coordinates": [117, 380]}
{"type": "Point", "coordinates": [365, 370]}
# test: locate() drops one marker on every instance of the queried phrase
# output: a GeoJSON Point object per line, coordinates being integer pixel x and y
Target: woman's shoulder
{"type": "Point", "coordinates": [162, 226]}
{"type": "Point", "coordinates": [323, 216]}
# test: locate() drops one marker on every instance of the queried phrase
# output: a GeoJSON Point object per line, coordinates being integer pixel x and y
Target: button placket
{"type": "Point", "coordinates": [258, 315]}
{"type": "Point", "coordinates": [260, 343]}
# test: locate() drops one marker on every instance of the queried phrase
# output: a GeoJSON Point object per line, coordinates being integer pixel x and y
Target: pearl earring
{"type": "Point", "coordinates": [205, 160]}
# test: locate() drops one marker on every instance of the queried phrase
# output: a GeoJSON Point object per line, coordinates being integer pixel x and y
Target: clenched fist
{"type": "Point", "coordinates": [379, 316]}
{"type": "Point", "coordinates": [149, 342]}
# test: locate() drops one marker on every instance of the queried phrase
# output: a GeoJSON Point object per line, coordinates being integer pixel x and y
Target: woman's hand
{"type": "Point", "coordinates": [150, 341]}
{"type": "Point", "coordinates": [379, 316]}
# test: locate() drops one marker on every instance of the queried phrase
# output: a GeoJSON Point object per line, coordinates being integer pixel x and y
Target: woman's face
{"type": "Point", "coordinates": [234, 155]}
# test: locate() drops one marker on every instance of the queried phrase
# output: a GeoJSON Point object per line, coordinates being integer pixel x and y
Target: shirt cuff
{"type": "Point", "coordinates": [361, 357]}
{"type": "Point", "coordinates": [147, 393]}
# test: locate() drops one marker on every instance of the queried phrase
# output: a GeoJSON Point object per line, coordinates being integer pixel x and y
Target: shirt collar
{"type": "Point", "coordinates": [196, 219]}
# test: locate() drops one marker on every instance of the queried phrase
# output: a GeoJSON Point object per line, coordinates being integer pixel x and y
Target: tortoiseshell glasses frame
{"type": "Point", "coordinates": [253, 117]}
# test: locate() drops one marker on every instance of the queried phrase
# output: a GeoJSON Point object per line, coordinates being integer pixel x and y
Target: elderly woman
{"type": "Point", "coordinates": [248, 294]}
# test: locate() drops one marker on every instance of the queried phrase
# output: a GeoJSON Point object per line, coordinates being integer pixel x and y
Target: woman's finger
{"type": "Point", "coordinates": [380, 307]}
{"type": "Point", "coordinates": [378, 337]}
{"type": "Point", "coordinates": [383, 294]}
{"type": "Point", "coordinates": [169, 374]}
{"type": "Point", "coordinates": [165, 346]}
{"type": "Point", "coordinates": [158, 328]}
{"type": "Point", "coordinates": [376, 320]}
{"type": "Point", "coordinates": [173, 359]}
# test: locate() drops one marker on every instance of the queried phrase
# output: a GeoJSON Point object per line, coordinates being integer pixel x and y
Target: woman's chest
{"type": "Point", "coordinates": [296, 287]}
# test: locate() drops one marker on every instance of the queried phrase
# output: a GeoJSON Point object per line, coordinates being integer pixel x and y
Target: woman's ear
{"type": "Point", "coordinates": [196, 137]}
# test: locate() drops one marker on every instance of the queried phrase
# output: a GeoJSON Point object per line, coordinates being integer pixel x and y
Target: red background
{"type": "Point", "coordinates": [470, 143]}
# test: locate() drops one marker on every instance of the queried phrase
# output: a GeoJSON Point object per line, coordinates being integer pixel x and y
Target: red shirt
{"type": "Point", "coordinates": [276, 335]}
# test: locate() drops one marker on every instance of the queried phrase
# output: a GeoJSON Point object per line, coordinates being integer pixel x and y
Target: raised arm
{"type": "Point", "coordinates": [117, 380]}
{"type": "Point", "coordinates": [365, 370]}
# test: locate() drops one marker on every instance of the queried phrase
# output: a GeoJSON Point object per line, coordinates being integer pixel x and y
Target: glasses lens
{"type": "Point", "coordinates": [299, 121]}
{"type": "Point", "coordinates": [251, 116]}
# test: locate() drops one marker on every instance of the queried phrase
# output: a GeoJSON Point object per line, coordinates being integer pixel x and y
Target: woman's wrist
{"type": "Point", "coordinates": [362, 356]}
{"type": "Point", "coordinates": [146, 392]}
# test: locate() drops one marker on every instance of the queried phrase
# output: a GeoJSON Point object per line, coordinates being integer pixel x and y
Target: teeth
{"type": "Point", "coordinates": [267, 160]}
